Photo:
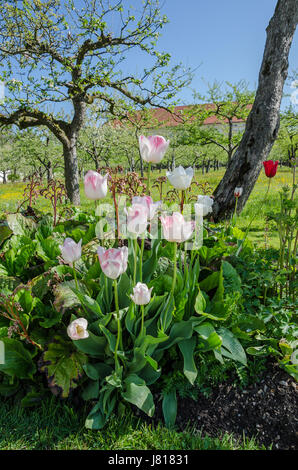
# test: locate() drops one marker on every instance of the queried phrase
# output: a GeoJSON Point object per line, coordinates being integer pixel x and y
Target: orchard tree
{"type": "Point", "coordinates": [230, 106]}
{"type": "Point", "coordinates": [40, 151]}
{"type": "Point", "coordinates": [69, 53]}
{"type": "Point", "coordinates": [7, 139]}
{"type": "Point", "coordinates": [262, 124]}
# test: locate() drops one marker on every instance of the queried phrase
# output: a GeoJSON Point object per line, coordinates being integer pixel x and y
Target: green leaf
{"type": "Point", "coordinates": [231, 347]}
{"type": "Point", "coordinates": [210, 282]}
{"type": "Point", "coordinates": [179, 331]}
{"type": "Point", "coordinates": [150, 265]}
{"type": "Point", "coordinates": [208, 340]}
{"type": "Point", "coordinates": [138, 394]}
{"type": "Point", "coordinates": [26, 301]}
{"type": "Point", "coordinates": [97, 371]}
{"type": "Point", "coordinates": [96, 418]}
{"type": "Point", "coordinates": [169, 408]}
{"type": "Point", "coordinates": [200, 304]}
{"type": "Point", "coordinates": [65, 297]}
{"type": "Point", "coordinates": [18, 360]}
{"type": "Point", "coordinates": [232, 280]}
{"type": "Point", "coordinates": [5, 232]}
{"type": "Point", "coordinates": [123, 288]}
{"type": "Point", "coordinates": [62, 365]}
{"type": "Point", "coordinates": [93, 345]}
{"type": "Point", "coordinates": [187, 348]}
{"type": "Point", "coordinates": [21, 225]}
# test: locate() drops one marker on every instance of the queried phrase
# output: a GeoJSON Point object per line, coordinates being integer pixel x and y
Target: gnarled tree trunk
{"type": "Point", "coordinates": [71, 171]}
{"type": "Point", "coordinates": [263, 121]}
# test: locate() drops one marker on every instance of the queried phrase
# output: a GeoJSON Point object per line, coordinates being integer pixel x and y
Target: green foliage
{"type": "Point", "coordinates": [222, 318]}
{"type": "Point", "coordinates": [62, 365]}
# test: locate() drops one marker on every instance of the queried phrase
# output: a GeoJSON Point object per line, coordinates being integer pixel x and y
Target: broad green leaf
{"type": "Point", "coordinates": [63, 366]}
{"type": "Point", "coordinates": [17, 360]}
{"type": "Point", "coordinates": [137, 393]}
{"type": "Point", "coordinates": [5, 232]}
{"type": "Point", "coordinates": [231, 347]}
{"type": "Point", "coordinates": [200, 303]}
{"type": "Point", "coordinates": [21, 225]}
{"type": "Point", "coordinates": [187, 348]}
{"type": "Point", "coordinates": [210, 282]}
{"type": "Point", "coordinates": [93, 345]}
{"type": "Point", "coordinates": [169, 408]}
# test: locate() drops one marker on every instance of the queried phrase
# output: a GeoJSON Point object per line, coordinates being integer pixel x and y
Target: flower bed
{"type": "Point", "coordinates": [151, 311]}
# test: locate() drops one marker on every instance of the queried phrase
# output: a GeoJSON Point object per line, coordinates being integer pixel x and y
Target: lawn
{"type": "Point", "coordinates": [55, 426]}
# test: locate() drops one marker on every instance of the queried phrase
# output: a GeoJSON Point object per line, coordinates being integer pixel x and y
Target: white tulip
{"type": "Point", "coordinates": [180, 178]}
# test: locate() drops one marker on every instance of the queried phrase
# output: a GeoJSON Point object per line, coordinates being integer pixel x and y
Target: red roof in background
{"type": "Point", "coordinates": [166, 118]}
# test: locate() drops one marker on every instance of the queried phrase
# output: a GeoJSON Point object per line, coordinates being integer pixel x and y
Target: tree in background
{"type": "Point", "coordinates": [67, 52]}
{"type": "Point", "coordinates": [262, 124]}
{"type": "Point", "coordinates": [228, 108]}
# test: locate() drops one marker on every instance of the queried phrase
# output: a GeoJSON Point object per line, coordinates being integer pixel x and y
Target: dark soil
{"type": "Point", "coordinates": [266, 410]}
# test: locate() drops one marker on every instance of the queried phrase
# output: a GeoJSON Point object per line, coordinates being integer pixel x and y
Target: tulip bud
{"type": "Point", "coordinates": [180, 178]}
{"type": "Point", "coordinates": [96, 186]}
{"type": "Point", "coordinates": [78, 329]}
{"type": "Point", "coordinates": [71, 251]}
{"type": "Point", "coordinates": [153, 148]}
{"type": "Point", "coordinates": [175, 228]}
{"type": "Point", "coordinates": [113, 261]}
{"type": "Point", "coordinates": [206, 203]}
{"type": "Point", "coordinates": [238, 192]}
{"type": "Point", "coordinates": [141, 294]}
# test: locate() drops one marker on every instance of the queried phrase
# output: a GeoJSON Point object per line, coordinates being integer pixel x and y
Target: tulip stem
{"type": "Point", "coordinates": [135, 261]}
{"type": "Point", "coordinates": [175, 268]}
{"type": "Point", "coordinates": [142, 325]}
{"type": "Point", "coordinates": [182, 200]}
{"type": "Point", "coordinates": [141, 258]}
{"type": "Point", "coordinates": [148, 183]}
{"type": "Point", "coordinates": [119, 339]}
{"type": "Point", "coordinates": [235, 212]}
{"type": "Point", "coordinates": [75, 275]}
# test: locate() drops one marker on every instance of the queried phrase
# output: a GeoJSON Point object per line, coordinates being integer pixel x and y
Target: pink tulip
{"type": "Point", "coordinates": [148, 203]}
{"type": "Point", "coordinates": [153, 148]}
{"type": "Point", "coordinates": [78, 329]}
{"type": "Point", "coordinates": [96, 186]}
{"type": "Point", "coordinates": [137, 218]}
{"type": "Point", "coordinates": [71, 251]}
{"type": "Point", "coordinates": [141, 294]}
{"type": "Point", "coordinates": [113, 261]}
{"type": "Point", "coordinates": [175, 228]}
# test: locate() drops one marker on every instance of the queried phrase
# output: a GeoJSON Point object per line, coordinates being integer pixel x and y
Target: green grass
{"type": "Point", "coordinates": [11, 195]}
{"type": "Point", "coordinates": [55, 426]}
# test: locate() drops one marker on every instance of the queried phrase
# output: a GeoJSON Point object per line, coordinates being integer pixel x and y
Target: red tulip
{"type": "Point", "coordinates": [270, 168]}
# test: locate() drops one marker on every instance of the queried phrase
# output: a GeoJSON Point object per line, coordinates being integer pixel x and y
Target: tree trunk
{"type": "Point", "coordinates": [71, 172]}
{"type": "Point", "coordinates": [49, 172]}
{"type": "Point", "coordinates": [263, 121]}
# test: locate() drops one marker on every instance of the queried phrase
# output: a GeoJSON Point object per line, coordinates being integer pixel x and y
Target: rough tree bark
{"type": "Point", "coordinates": [263, 121]}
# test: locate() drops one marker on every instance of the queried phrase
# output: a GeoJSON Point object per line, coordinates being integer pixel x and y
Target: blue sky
{"type": "Point", "coordinates": [224, 38]}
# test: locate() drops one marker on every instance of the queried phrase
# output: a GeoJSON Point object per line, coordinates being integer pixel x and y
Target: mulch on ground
{"type": "Point", "coordinates": [266, 410]}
